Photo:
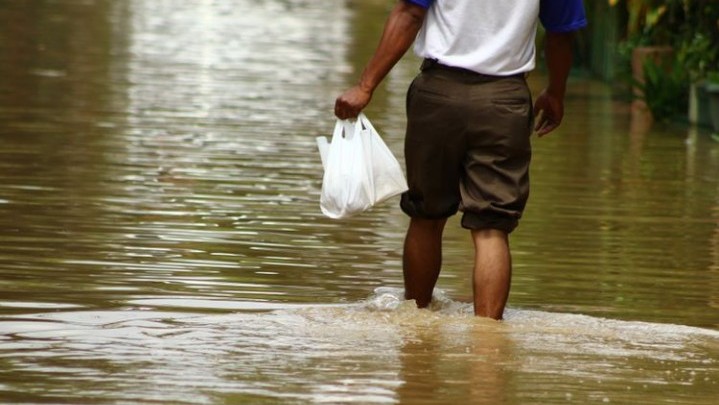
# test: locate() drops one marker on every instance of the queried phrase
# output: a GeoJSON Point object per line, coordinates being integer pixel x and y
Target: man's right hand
{"type": "Point", "coordinates": [350, 103]}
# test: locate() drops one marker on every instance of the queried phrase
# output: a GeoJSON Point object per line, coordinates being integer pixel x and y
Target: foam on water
{"type": "Point", "coordinates": [366, 350]}
{"type": "Point", "coordinates": [575, 346]}
{"type": "Point", "coordinates": [389, 299]}
{"type": "Point", "coordinates": [538, 330]}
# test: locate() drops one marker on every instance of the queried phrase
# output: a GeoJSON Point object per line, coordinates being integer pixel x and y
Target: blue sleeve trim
{"type": "Point", "coordinates": [562, 15]}
{"type": "Point", "coordinates": [569, 28]}
{"type": "Point", "coordinates": [421, 3]}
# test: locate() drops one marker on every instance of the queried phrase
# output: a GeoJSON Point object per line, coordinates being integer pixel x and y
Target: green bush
{"type": "Point", "coordinates": [665, 90]}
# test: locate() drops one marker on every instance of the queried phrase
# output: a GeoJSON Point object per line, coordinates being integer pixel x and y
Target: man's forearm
{"type": "Point", "coordinates": [401, 28]}
{"type": "Point", "coordinates": [558, 51]}
{"type": "Point", "coordinates": [549, 105]}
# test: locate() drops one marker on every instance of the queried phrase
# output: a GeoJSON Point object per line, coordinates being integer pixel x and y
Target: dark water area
{"type": "Point", "coordinates": [161, 239]}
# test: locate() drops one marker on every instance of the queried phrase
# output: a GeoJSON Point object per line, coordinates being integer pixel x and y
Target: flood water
{"type": "Point", "coordinates": [161, 239]}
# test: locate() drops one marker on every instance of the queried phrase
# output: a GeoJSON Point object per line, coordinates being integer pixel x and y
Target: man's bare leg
{"type": "Point", "coordinates": [422, 259]}
{"type": "Point", "coordinates": [492, 272]}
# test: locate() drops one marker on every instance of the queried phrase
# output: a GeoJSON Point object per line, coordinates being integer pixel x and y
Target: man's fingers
{"type": "Point", "coordinates": [338, 108]}
{"type": "Point", "coordinates": [548, 114]}
{"type": "Point", "coordinates": [541, 129]}
{"type": "Point", "coordinates": [350, 104]}
{"type": "Point", "coordinates": [546, 125]}
{"type": "Point", "coordinates": [540, 117]}
{"type": "Point", "coordinates": [342, 110]}
{"type": "Point", "coordinates": [344, 113]}
{"type": "Point", "coordinates": [341, 114]}
{"type": "Point", "coordinates": [547, 128]}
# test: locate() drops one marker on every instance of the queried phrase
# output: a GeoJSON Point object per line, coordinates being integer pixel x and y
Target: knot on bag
{"type": "Point", "coordinates": [360, 170]}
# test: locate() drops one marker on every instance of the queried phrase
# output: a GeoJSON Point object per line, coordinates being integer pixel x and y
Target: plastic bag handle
{"type": "Point", "coordinates": [366, 122]}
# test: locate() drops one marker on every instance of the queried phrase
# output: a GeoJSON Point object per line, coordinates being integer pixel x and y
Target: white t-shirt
{"type": "Point", "coordinates": [494, 37]}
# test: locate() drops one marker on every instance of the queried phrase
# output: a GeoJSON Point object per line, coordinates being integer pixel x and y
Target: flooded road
{"type": "Point", "coordinates": [161, 239]}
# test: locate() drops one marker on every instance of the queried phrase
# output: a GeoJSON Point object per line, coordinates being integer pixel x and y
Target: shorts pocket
{"type": "Point", "coordinates": [510, 101]}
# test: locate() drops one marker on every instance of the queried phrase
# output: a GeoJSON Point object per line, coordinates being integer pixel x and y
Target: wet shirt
{"type": "Point", "coordinates": [490, 36]}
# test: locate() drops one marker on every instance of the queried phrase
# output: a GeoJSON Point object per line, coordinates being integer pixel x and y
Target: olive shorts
{"type": "Point", "coordinates": [468, 147]}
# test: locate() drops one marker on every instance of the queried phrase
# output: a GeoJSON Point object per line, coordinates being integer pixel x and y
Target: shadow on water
{"type": "Point", "coordinates": [162, 240]}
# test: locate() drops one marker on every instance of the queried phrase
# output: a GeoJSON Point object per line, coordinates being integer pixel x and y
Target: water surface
{"type": "Point", "coordinates": [161, 239]}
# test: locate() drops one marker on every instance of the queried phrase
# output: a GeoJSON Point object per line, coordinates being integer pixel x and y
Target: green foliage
{"type": "Point", "coordinates": [643, 20]}
{"type": "Point", "coordinates": [691, 27]}
{"type": "Point", "coordinates": [665, 90]}
{"type": "Point", "coordinates": [698, 55]}
{"type": "Point", "coordinates": [697, 36]}
{"type": "Point", "coordinates": [713, 78]}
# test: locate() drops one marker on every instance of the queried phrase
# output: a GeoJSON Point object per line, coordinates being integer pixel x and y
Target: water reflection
{"type": "Point", "coordinates": [466, 361]}
{"type": "Point", "coordinates": [162, 240]}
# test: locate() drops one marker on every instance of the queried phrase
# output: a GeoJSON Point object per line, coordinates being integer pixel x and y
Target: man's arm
{"type": "Point", "coordinates": [558, 52]}
{"type": "Point", "coordinates": [401, 28]}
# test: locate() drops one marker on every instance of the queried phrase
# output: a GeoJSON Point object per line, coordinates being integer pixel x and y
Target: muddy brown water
{"type": "Point", "coordinates": [161, 240]}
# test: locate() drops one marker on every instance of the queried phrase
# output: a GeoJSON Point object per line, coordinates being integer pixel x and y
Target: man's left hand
{"type": "Point", "coordinates": [549, 109]}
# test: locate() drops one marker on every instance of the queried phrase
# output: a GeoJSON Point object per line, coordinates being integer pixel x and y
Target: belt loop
{"type": "Point", "coordinates": [428, 63]}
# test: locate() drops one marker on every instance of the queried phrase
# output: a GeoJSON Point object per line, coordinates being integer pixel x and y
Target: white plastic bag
{"type": "Point", "coordinates": [360, 170]}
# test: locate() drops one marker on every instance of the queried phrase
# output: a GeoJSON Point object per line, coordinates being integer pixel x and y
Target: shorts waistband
{"type": "Point", "coordinates": [433, 64]}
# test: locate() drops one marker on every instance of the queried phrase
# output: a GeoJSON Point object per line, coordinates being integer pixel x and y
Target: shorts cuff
{"type": "Point", "coordinates": [503, 223]}
{"type": "Point", "coordinates": [417, 209]}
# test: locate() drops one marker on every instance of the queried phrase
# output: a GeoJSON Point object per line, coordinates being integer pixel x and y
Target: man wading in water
{"type": "Point", "coordinates": [469, 120]}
